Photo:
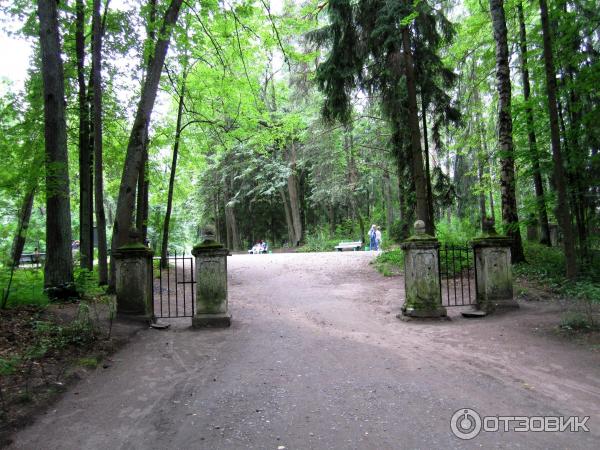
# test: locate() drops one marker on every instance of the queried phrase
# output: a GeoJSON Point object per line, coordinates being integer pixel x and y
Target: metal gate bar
{"type": "Point", "coordinates": [457, 273]}
{"type": "Point", "coordinates": [174, 301]}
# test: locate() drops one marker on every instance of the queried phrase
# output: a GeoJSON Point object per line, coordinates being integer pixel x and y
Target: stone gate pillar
{"type": "Point", "coordinates": [211, 284]}
{"type": "Point", "coordinates": [494, 289]}
{"type": "Point", "coordinates": [423, 297]}
{"type": "Point", "coordinates": [133, 264]}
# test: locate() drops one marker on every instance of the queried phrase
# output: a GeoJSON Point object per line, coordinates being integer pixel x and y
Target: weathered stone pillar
{"type": "Point", "coordinates": [133, 263]}
{"type": "Point", "coordinates": [423, 297]}
{"type": "Point", "coordinates": [494, 289]}
{"type": "Point", "coordinates": [211, 284]}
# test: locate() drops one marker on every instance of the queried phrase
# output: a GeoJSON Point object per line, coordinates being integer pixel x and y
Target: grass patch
{"type": "Point", "coordinates": [390, 263]}
{"type": "Point", "coordinates": [90, 362]}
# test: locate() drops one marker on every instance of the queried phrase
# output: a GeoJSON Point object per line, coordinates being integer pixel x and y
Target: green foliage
{"type": "Point", "coordinates": [86, 282]}
{"type": "Point", "coordinates": [51, 336]}
{"type": "Point", "coordinates": [456, 231]}
{"type": "Point", "coordinates": [399, 231]}
{"type": "Point", "coordinates": [545, 265]}
{"type": "Point", "coordinates": [577, 321]}
{"type": "Point", "coordinates": [319, 241]}
{"type": "Point", "coordinates": [390, 263]}
{"type": "Point", "coordinates": [27, 287]}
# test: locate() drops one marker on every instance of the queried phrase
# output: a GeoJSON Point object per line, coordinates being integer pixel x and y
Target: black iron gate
{"type": "Point", "coordinates": [457, 275]}
{"type": "Point", "coordinates": [174, 292]}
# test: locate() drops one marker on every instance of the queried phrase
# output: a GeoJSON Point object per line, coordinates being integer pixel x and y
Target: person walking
{"type": "Point", "coordinates": [378, 238]}
{"type": "Point", "coordinates": [373, 237]}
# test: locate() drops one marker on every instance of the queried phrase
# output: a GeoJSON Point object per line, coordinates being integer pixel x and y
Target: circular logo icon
{"type": "Point", "coordinates": [465, 424]}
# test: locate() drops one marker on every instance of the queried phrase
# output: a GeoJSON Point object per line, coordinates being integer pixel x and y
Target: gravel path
{"type": "Point", "coordinates": [316, 358]}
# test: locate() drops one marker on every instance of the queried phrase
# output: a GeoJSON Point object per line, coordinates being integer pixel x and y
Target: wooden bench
{"type": "Point", "coordinates": [356, 245]}
{"type": "Point", "coordinates": [31, 258]}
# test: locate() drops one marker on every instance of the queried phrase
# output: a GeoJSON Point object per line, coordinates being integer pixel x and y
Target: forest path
{"type": "Point", "coordinates": [316, 358]}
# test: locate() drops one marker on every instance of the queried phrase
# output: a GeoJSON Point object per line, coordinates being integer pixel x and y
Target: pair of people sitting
{"type": "Point", "coordinates": [260, 247]}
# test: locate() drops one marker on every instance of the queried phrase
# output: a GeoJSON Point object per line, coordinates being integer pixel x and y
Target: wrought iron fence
{"type": "Point", "coordinates": [174, 292]}
{"type": "Point", "coordinates": [457, 275]}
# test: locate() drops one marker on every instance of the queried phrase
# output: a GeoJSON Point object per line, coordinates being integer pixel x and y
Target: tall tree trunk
{"type": "Point", "coordinates": [292, 184]}
{"type": "Point", "coordinates": [22, 226]}
{"type": "Point", "coordinates": [165, 239]}
{"type": "Point", "coordinates": [331, 218]}
{"type": "Point", "coordinates": [143, 184]}
{"type": "Point", "coordinates": [510, 217]}
{"type": "Point", "coordinates": [288, 217]}
{"type": "Point", "coordinates": [426, 156]}
{"type": "Point", "coordinates": [387, 198]}
{"type": "Point", "coordinates": [233, 237]}
{"type": "Point", "coordinates": [533, 150]}
{"type": "Point", "coordinates": [58, 271]}
{"type": "Point", "coordinates": [135, 147]}
{"type": "Point", "coordinates": [482, 211]}
{"type": "Point", "coordinates": [98, 157]}
{"type": "Point", "coordinates": [562, 208]}
{"type": "Point", "coordinates": [86, 210]}
{"type": "Point", "coordinates": [422, 206]}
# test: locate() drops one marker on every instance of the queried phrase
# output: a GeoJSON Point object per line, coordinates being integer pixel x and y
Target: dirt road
{"type": "Point", "coordinates": [316, 358]}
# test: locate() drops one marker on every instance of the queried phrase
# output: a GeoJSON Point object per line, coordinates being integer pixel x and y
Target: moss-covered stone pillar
{"type": "Point", "coordinates": [211, 285]}
{"type": "Point", "coordinates": [423, 297]}
{"type": "Point", "coordinates": [494, 288]}
{"type": "Point", "coordinates": [133, 263]}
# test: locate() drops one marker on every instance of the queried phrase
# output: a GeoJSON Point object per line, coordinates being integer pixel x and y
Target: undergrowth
{"type": "Point", "coordinates": [390, 263]}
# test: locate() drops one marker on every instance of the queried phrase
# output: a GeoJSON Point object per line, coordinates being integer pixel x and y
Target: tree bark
{"type": "Point", "coordinates": [387, 198]}
{"type": "Point", "coordinates": [288, 217]}
{"type": "Point", "coordinates": [58, 271]}
{"type": "Point", "coordinates": [165, 239]}
{"type": "Point", "coordinates": [143, 184]}
{"type": "Point", "coordinates": [562, 208]}
{"type": "Point", "coordinates": [533, 150]}
{"type": "Point", "coordinates": [135, 147]}
{"type": "Point", "coordinates": [233, 237]}
{"type": "Point", "coordinates": [98, 157]}
{"type": "Point", "coordinates": [510, 216]}
{"type": "Point", "coordinates": [426, 156]}
{"type": "Point", "coordinates": [86, 210]}
{"type": "Point", "coordinates": [292, 184]}
{"type": "Point", "coordinates": [22, 226]}
{"type": "Point", "coordinates": [422, 206]}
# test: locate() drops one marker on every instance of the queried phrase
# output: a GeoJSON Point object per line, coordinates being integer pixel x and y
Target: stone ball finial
{"type": "Point", "coordinates": [419, 227]}
{"type": "Point", "coordinates": [488, 225]}
{"type": "Point", "coordinates": [208, 232]}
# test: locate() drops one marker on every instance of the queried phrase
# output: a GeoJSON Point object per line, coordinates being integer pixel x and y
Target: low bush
{"type": "Point", "coordinates": [390, 263]}
{"type": "Point", "coordinates": [319, 241]}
